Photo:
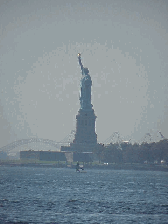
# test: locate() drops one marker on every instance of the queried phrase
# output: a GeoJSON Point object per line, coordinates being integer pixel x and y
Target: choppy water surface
{"type": "Point", "coordinates": [55, 195]}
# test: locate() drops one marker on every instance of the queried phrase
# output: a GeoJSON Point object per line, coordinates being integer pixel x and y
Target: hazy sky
{"type": "Point", "coordinates": [124, 43]}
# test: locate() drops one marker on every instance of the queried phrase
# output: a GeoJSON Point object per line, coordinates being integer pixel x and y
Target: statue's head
{"type": "Point", "coordinates": [86, 71]}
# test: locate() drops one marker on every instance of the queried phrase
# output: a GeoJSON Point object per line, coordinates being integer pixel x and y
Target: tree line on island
{"type": "Point", "coordinates": [155, 152]}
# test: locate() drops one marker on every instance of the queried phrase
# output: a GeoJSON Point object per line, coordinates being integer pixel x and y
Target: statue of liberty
{"type": "Point", "coordinates": [86, 83]}
{"type": "Point", "coordinates": [85, 137]}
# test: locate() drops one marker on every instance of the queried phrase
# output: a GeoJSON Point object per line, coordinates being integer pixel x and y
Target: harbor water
{"type": "Point", "coordinates": [62, 195]}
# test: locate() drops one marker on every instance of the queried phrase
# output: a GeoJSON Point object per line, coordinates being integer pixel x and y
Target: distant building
{"type": "Point", "coordinates": [43, 155]}
{"type": "Point", "coordinates": [57, 156]}
{"type": "Point", "coordinates": [3, 155]}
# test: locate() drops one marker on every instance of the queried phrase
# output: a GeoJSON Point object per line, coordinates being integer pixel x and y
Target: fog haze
{"type": "Point", "coordinates": [123, 43]}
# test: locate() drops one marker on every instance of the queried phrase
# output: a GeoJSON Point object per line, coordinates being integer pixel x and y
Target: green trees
{"type": "Point", "coordinates": [127, 153]}
{"type": "Point", "coordinates": [112, 154]}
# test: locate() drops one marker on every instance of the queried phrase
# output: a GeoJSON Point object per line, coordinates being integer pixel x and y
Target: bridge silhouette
{"type": "Point", "coordinates": [65, 142]}
{"type": "Point", "coordinates": [148, 137]}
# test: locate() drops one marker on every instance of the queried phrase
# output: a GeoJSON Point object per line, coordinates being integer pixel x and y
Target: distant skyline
{"type": "Point", "coordinates": [124, 44]}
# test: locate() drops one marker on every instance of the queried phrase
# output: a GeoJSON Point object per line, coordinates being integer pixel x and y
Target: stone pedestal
{"type": "Point", "coordinates": [85, 127]}
{"type": "Point", "coordinates": [85, 137]}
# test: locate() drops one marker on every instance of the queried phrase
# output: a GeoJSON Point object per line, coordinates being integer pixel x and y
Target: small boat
{"type": "Point", "coordinates": [81, 171]}
{"type": "Point", "coordinates": [80, 168]}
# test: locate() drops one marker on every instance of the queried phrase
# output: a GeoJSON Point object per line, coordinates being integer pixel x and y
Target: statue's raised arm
{"type": "Point", "coordinates": [85, 71]}
{"type": "Point", "coordinates": [80, 62]}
